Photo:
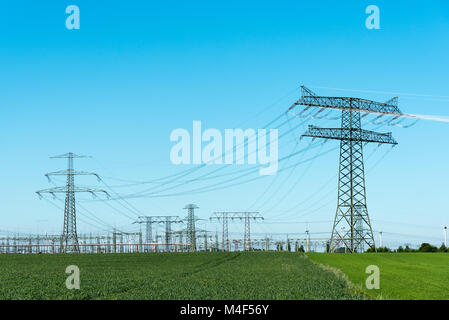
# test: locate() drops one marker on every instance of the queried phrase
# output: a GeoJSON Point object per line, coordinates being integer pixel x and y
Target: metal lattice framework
{"type": "Point", "coordinates": [246, 216]}
{"type": "Point", "coordinates": [167, 220]}
{"type": "Point", "coordinates": [356, 135]}
{"type": "Point", "coordinates": [223, 217]}
{"type": "Point", "coordinates": [148, 221]}
{"type": "Point", "coordinates": [352, 227]}
{"type": "Point", "coordinates": [190, 231]}
{"type": "Point", "coordinates": [69, 233]}
{"type": "Point", "coordinates": [310, 99]}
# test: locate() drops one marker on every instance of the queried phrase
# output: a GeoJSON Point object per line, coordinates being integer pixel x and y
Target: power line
{"type": "Point", "coordinates": [382, 92]}
{"type": "Point", "coordinates": [218, 186]}
{"type": "Point", "coordinates": [186, 172]}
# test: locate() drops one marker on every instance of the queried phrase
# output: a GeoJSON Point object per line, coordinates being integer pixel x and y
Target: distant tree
{"type": "Point", "coordinates": [301, 248]}
{"type": "Point", "coordinates": [380, 249]}
{"type": "Point", "coordinates": [400, 249]}
{"type": "Point", "coordinates": [426, 247]}
{"type": "Point", "coordinates": [442, 248]}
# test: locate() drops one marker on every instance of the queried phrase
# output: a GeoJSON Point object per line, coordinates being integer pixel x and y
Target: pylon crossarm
{"type": "Point", "coordinates": [69, 155]}
{"type": "Point", "coordinates": [309, 99]}
{"type": "Point", "coordinates": [71, 172]}
{"type": "Point", "coordinates": [75, 189]}
{"type": "Point", "coordinates": [360, 135]}
{"type": "Point", "coordinates": [158, 219]}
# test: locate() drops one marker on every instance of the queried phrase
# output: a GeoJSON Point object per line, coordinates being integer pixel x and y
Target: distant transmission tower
{"type": "Point", "coordinates": [191, 219]}
{"type": "Point", "coordinates": [246, 216]}
{"type": "Point", "coordinates": [223, 217]}
{"type": "Point", "coordinates": [69, 233]}
{"type": "Point", "coordinates": [167, 220]}
{"type": "Point", "coordinates": [352, 211]}
{"type": "Point", "coordinates": [148, 221]}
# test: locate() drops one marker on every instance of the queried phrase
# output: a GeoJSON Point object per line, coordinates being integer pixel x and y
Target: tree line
{"type": "Point", "coordinates": [424, 247]}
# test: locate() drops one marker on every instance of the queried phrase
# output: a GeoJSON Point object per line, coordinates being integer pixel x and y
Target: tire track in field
{"type": "Point", "coordinates": [209, 265]}
{"type": "Point", "coordinates": [196, 269]}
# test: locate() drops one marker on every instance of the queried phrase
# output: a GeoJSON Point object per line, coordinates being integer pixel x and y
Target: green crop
{"type": "Point", "coordinates": [402, 275]}
{"type": "Point", "coordinates": [250, 275]}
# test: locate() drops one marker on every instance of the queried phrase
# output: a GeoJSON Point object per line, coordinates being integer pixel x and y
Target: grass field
{"type": "Point", "coordinates": [252, 275]}
{"type": "Point", "coordinates": [402, 275]}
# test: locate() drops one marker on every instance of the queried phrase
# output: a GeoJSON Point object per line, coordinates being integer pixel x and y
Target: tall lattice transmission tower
{"type": "Point", "coordinates": [352, 227]}
{"type": "Point", "coordinates": [69, 234]}
{"type": "Point", "coordinates": [191, 228]}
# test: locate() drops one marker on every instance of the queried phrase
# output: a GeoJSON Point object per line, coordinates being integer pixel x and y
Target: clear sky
{"type": "Point", "coordinates": [136, 70]}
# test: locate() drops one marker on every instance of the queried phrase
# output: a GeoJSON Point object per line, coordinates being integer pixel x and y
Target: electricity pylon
{"type": "Point", "coordinates": [352, 211]}
{"type": "Point", "coordinates": [69, 234]}
{"type": "Point", "coordinates": [246, 216]}
{"type": "Point", "coordinates": [223, 217]}
{"type": "Point", "coordinates": [148, 227]}
{"type": "Point", "coordinates": [167, 220]}
{"type": "Point", "coordinates": [190, 231]}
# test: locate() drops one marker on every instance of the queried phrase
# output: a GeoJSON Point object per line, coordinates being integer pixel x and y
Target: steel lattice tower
{"type": "Point", "coordinates": [246, 216]}
{"type": "Point", "coordinates": [352, 226]}
{"type": "Point", "coordinates": [223, 216]}
{"type": "Point", "coordinates": [167, 220]}
{"type": "Point", "coordinates": [191, 232]}
{"type": "Point", "coordinates": [148, 230]}
{"type": "Point", "coordinates": [69, 234]}
{"type": "Point", "coordinates": [69, 238]}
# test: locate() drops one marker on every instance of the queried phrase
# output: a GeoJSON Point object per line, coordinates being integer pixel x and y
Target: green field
{"type": "Point", "coordinates": [234, 275]}
{"type": "Point", "coordinates": [252, 275]}
{"type": "Point", "coordinates": [402, 275]}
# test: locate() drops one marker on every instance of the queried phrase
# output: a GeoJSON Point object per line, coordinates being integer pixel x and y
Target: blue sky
{"type": "Point", "coordinates": [137, 70]}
